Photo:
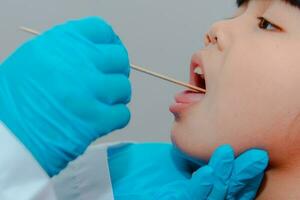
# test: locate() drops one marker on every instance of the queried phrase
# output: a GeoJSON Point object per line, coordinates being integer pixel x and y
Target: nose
{"type": "Point", "coordinates": [218, 35]}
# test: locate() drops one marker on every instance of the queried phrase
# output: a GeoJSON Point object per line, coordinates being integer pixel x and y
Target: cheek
{"type": "Point", "coordinates": [256, 100]}
{"type": "Point", "coordinates": [252, 105]}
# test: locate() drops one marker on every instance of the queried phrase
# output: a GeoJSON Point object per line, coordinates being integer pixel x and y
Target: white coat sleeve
{"type": "Point", "coordinates": [21, 175]}
{"type": "Point", "coordinates": [87, 177]}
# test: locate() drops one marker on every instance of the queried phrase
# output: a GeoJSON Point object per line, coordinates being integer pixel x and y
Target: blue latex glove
{"type": "Point", "coordinates": [155, 171]}
{"type": "Point", "coordinates": [64, 89]}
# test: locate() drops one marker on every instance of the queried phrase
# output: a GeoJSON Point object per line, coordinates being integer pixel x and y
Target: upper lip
{"type": "Point", "coordinates": [195, 79]}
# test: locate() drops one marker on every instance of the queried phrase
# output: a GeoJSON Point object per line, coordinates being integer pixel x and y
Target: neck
{"type": "Point", "coordinates": [281, 183]}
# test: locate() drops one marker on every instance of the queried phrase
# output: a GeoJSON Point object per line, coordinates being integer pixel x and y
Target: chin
{"type": "Point", "coordinates": [190, 145]}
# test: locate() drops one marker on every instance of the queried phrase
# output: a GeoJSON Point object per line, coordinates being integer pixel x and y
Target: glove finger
{"type": "Point", "coordinates": [98, 117]}
{"type": "Point", "coordinates": [106, 119]}
{"type": "Point", "coordinates": [118, 117]}
{"type": "Point", "coordinates": [107, 57]}
{"type": "Point", "coordinates": [113, 59]}
{"type": "Point", "coordinates": [94, 29]}
{"type": "Point", "coordinates": [112, 89]}
{"type": "Point", "coordinates": [246, 169]}
{"type": "Point", "coordinates": [222, 162]}
{"type": "Point", "coordinates": [248, 192]}
{"type": "Point", "coordinates": [201, 183]}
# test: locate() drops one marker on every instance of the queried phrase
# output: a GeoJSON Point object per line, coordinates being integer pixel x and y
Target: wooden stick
{"type": "Point", "coordinates": [192, 87]}
{"type": "Point", "coordinates": [141, 69]}
{"type": "Point", "coordinates": [29, 30]}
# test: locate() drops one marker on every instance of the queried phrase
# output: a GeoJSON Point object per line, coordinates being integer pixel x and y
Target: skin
{"type": "Point", "coordinates": [253, 99]}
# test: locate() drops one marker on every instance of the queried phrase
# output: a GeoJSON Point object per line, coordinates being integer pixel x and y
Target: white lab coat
{"type": "Point", "coordinates": [22, 178]}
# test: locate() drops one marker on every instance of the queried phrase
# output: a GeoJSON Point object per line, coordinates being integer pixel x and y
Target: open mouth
{"type": "Point", "coordinates": [197, 72]}
{"type": "Point", "coordinates": [199, 78]}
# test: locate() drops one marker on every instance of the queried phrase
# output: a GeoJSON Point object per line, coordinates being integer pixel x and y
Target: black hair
{"type": "Point", "coordinates": [292, 2]}
{"type": "Point", "coordinates": [241, 2]}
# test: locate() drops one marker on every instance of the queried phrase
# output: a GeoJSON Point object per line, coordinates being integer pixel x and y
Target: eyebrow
{"type": "Point", "coordinates": [295, 3]}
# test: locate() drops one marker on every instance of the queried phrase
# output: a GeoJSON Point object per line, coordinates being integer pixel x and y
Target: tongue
{"type": "Point", "coordinates": [189, 97]}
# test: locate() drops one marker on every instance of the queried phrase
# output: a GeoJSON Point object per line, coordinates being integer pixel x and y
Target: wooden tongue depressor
{"type": "Point", "coordinates": [141, 69]}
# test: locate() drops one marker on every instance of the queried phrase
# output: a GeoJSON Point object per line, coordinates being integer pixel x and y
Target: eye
{"type": "Point", "coordinates": [266, 25]}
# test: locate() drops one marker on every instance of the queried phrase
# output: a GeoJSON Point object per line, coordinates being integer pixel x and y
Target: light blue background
{"type": "Point", "coordinates": [161, 35]}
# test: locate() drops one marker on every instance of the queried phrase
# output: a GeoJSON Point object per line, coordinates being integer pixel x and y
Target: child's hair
{"type": "Point", "coordinates": [241, 2]}
{"type": "Point", "coordinates": [292, 2]}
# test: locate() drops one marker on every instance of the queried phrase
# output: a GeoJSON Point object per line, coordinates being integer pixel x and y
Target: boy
{"type": "Point", "coordinates": [252, 74]}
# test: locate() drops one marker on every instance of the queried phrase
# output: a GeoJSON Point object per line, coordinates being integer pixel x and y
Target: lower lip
{"type": "Point", "coordinates": [184, 100]}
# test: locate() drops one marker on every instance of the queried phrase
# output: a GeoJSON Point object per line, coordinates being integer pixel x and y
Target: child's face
{"type": "Point", "coordinates": [252, 79]}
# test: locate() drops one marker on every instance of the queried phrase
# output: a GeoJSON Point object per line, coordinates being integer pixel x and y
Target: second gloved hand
{"type": "Point", "coordinates": [223, 178]}
{"type": "Point", "coordinates": [155, 171]}
{"type": "Point", "coordinates": [64, 89]}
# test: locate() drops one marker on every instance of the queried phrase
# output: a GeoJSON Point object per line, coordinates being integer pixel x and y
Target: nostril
{"type": "Point", "coordinates": [207, 40]}
{"type": "Point", "coordinates": [210, 40]}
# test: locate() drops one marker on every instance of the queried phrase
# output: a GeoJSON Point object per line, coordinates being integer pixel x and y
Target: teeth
{"type": "Point", "coordinates": [198, 70]}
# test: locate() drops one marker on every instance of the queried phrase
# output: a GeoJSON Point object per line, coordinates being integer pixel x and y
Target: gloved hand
{"type": "Point", "coordinates": [64, 89]}
{"type": "Point", "coordinates": [156, 171]}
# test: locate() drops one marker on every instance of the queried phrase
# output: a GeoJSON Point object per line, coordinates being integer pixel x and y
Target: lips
{"type": "Point", "coordinates": [184, 100]}
{"type": "Point", "coordinates": [187, 98]}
